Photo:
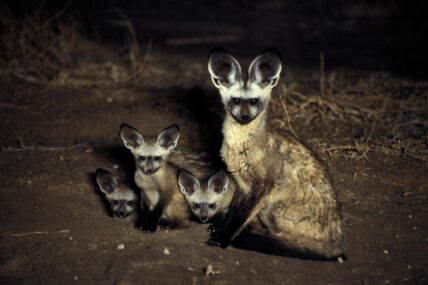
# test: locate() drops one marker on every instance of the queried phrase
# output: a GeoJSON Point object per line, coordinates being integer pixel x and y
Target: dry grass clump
{"type": "Point", "coordinates": [51, 49]}
{"type": "Point", "coordinates": [358, 115]}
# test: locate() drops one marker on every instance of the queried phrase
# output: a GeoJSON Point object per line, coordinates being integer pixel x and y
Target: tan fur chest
{"type": "Point", "coordinates": [150, 186]}
{"type": "Point", "coordinates": [244, 162]}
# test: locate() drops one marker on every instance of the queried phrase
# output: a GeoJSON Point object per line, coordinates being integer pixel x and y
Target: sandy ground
{"type": "Point", "coordinates": [55, 230]}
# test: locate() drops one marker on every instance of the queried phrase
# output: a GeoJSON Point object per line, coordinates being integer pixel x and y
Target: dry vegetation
{"type": "Point", "coordinates": [353, 115]}
{"type": "Point", "coordinates": [356, 115]}
{"type": "Point", "coordinates": [53, 50]}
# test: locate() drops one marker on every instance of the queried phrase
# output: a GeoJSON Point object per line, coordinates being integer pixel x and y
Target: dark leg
{"type": "Point", "coordinates": [237, 223]}
{"type": "Point", "coordinates": [217, 224]}
{"type": "Point", "coordinates": [167, 224]}
{"type": "Point", "coordinates": [243, 209]}
{"type": "Point", "coordinates": [150, 218]}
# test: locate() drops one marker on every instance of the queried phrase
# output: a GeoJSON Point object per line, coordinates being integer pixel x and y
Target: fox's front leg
{"type": "Point", "coordinates": [236, 223]}
{"type": "Point", "coordinates": [242, 211]}
{"type": "Point", "coordinates": [149, 220]}
{"type": "Point", "coordinates": [218, 223]}
{"type": "Point", "coordinates": [166, 224]}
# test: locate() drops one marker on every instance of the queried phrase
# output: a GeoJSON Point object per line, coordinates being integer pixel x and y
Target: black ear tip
{"type": "Point", "coordinates": [273, 51]}
{"type": "Point", "coordinates": [217, 51]}
{"type": "Point", "coordinates": [174, 127]}
{"type": "Point", "coordinates": [125, 126]}
{"type": "Point", "coordinates": [101, 171]}
{"type": "Point", "coordinates": [185, 173]}
{"type": "Point", "coordinates": [182, 174]}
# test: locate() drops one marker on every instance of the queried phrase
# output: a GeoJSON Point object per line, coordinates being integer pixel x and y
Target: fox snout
{"type": "Point", "coordinates": [244, 110]}
{"type": "Point", "coordinates": [121, 214]}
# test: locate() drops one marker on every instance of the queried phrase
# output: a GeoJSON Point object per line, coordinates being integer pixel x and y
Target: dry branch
{"type": "Point", "coordinates": [23, 147]}
{"type": "Point", "coordinates": [14, 106]}
{"type": "Point", "coordinates": [401, 123]}
{"type": "Point", "coordinates": [39, 233]}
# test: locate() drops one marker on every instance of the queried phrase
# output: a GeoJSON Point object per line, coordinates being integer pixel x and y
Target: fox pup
{"type": "Point", "coordinates": [210, 200]}
{"type": "Point", "coordinates": [161, 201]}
{"type": "Point", "coordinates": [280, 181]}
{"type": "Point", "coordinates": [122, 200]}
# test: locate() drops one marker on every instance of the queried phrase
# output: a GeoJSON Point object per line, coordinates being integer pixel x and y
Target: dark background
{"type": "Point", "coordinates": [389, 36]}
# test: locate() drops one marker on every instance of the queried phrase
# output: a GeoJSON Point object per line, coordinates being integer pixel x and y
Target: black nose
{"type": "Point", "coordinates": [245, 117]}
{"type": "Point", "coordinates": [121, 213]}
{"type": "Point", "coordinates": [149, 170]}
{"type": "Point", "coordinates": [204, 218]}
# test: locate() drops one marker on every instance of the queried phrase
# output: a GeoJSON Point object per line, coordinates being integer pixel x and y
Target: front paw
{"type": "Point", "coordinates": [219, 240]}
{"type": "Point", "coordinates": [167, 225]}
{"type": "Point", "coordinates": [145, 228]}
{"type": "Point", "coordinates": [213, 229]}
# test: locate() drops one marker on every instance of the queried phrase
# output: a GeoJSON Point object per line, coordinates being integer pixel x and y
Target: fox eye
{"type": "Point", "coordinates": [236, 100]}
{"type": "Point", "coordinates": [198, 205]}
{"type": "Point", "coordinates": [254, 101]}
{"type": "Point", "coordinates": [116, 202]}
{"type": "Point", "coordinates": [130, 202]}
{"type": "Point", "coordinates": [211, 205]}
{"type": "Point", "coordinates": [142, 157]}
{"type": "Point", "coordinates": [156, 158]}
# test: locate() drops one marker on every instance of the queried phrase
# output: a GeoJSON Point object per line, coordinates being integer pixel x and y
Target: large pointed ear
{"type": "Point", "coordinates": [188, 183]}
{"type": "Point", "coordinates": [224, 69]}
{"type": "Point", "coordinates": [265, 69]}
{"type": "Point", "coordinates": [131, 138]}
{"type": "Point", "coordinates": [106, 181]}
{"type": "Point", "coordinates": [219, 182]}
{"type": "Point", "coordinates": [168, 138]}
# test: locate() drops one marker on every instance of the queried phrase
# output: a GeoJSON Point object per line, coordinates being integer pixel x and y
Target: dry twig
{"type": "Point", "coordinates": [23, 147]}
{"type": "Point", "coordinates": [39, 233]}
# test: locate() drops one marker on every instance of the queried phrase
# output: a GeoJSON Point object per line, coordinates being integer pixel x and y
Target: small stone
{"type": "Point", "coordinates": [340, 260]}
{"type": "Point", "coordinates": [209, 270]}
{"type": "Point", "coordinates": [386, 282]}
{"type": "Point", "coordinates": [166, 251]}
{"type": "Point", "coordinates": [76, 278]}
{"type": "Point", "coordinates": [415, 228]}
{"type": "Point", "coordinates": [70, 238]}
{"type": "Point", "coordinates": [109, 100]}
{"type": "Point", "coordinates": [121, 246]}
{"type": "Point", "coordinates": [115, 166]}
{"type": "Point", "coordinates": [93, 246]}
{"type": "Point", "coordinates": [385, 251]}
{"type": "Point", "coordinates": [61, 158]}
{"type": "Point", "coordinates": [409, 267]}
{"type": "Point", "coordinates": [88, 150]}
{"type": "Point", "coordinates": [410, 216]}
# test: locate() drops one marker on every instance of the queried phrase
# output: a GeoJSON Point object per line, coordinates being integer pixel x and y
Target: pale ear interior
{"type": "Point", "coordinates": [168, 138]}
{"type": "Point", "coordinates": [224, 69]}
{"type": "Point", "coordinates": [265, 70]}
{"type": "Point", "coordinates": [219, 182]}
{"type": "Point", "coordinates": [106, 181]}
{"type": "Point", "coordinates": [131, 138]}
{"type": "Point", "coordinates": [188, 183]}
